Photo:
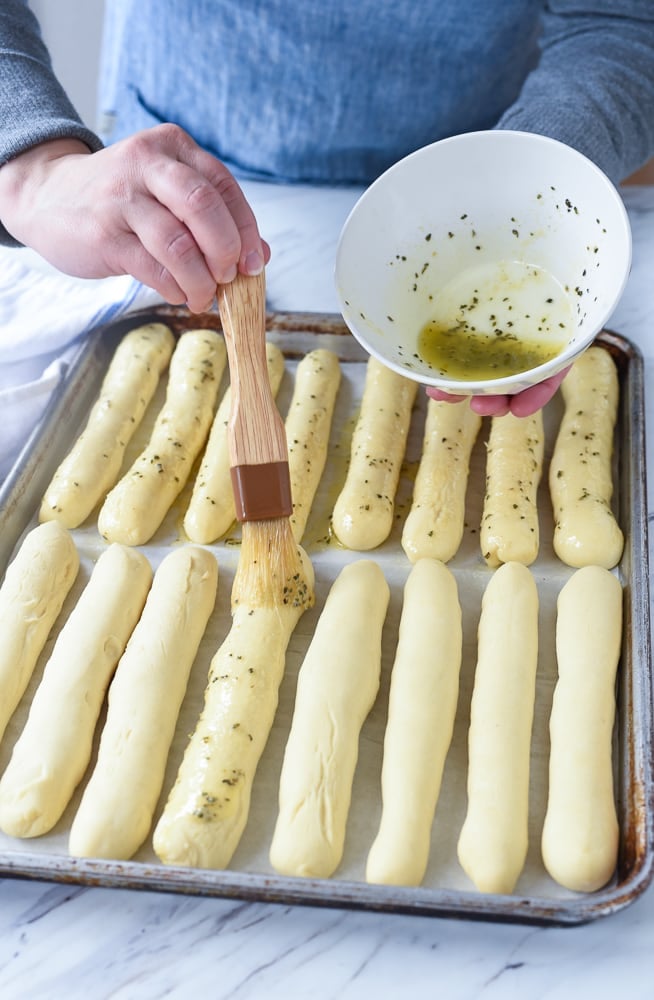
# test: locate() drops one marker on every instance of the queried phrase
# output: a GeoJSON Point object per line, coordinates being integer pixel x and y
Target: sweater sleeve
{"type": "Point", "coordinates": [593, 87]}
{"type": "Point", "coordinates": [34, 108]}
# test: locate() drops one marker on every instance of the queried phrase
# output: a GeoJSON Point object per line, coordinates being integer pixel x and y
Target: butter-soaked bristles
{"type": "Point", "coordinates": [270, 570]}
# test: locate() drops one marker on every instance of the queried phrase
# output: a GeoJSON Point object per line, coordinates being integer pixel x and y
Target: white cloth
{"type": "Point", "coordinates": [43, 316]}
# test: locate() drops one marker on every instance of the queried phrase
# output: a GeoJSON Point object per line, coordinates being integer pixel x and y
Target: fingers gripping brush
{"type": "Point", "coordinates": [270, 569]}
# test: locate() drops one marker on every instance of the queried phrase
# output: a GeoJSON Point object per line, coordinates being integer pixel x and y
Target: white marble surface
{"type": "Point", "coordinates": [67, 941]}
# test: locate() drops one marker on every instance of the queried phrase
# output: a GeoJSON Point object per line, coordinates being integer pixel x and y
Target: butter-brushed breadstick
{"type": "Point", "coordinates": [118, 804]}
{"type": "Point", "coordinates": [138, 503]}
{"type": "Point", "coordinates": [493, 842]}
{"type": "Point", "coordinates": [31, 597]}
{"type": "Point", "coordinates": [434, 526]}
{"type": "Point", "coordinates": [514, 465]}
{"type": "Point", "coordinates": [54, 748]}
{"type": "Point", "coordinates": [208, 806]}
{"type": "Point", "coordinates": [92, 466]}
{"type": "Point", "coordinates": [421, 710]}
{"type": "Point", "coordinates": [580, 833]}
{"type": "Point", "coordinates": [581, 480]}
{"type": "Point", "coordinates": [363, 514]}
{"type": "Point", "coordinates": [337, 686]}
{"type": "Point", "coordinates": [211, 510]}
{"type": "Point", "coordinates": [308, 423]}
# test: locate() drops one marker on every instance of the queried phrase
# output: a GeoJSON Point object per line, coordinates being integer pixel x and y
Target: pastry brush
{"type": "Point", "coordinates": [270, 569]}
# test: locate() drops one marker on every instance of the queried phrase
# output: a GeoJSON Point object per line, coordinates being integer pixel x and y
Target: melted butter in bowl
{"type": "Point", "coordinates": [496, 320]}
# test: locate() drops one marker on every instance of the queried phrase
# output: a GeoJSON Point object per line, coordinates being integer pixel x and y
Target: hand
{"type": "Point", "coordinates": [521, 405]}
{"type": "Point", "coordinates": [154, 205]}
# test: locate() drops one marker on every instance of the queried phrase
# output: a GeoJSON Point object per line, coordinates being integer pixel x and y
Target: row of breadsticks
{"type": "Point", "coordinates": [189, 428]}
{"type": "Point", "coordinates": [135, 636]}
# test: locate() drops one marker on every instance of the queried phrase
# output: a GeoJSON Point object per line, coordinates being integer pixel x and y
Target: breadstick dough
{"type": "Point", "coordinates": [337, 686]}
{"type": "Point", "coordinates": [118, 804]}
{"type": "Point", "coordinates": [581, 832]}
{"type": "Point", "coordinates": [434, 526]}
{"type": "Point", "coordinates": [514, 465]}
{"type": "Point", "coordinates": [137, 505]}
{"type": "Point", "coordinates": [363, 513]}
{"type": "Point", "coordinates": [308, 424]}
{"type": "Point", "coordinates": [493, 842]}
{"type": "Point", "coordinates": [33, 592]}
{"type": "Point", "coordinates": [54, 748]}
{"type": "Point", "coordinates": [422, 706]}
{"type": "Point", "coordinates": [208, 806]}
{"type": "Point", "coordinates": [586, 532]}
{"type": "Point", "coordinates": [92, 466]}
{"type": "Point", "coordinates": [211, 510]}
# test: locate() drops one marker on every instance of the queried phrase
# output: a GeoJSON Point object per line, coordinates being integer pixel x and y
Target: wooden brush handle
{"type": "Point", "coordinates": [256, 433]}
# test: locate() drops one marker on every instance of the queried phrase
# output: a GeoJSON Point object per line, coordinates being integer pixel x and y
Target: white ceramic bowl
{"type": "Point", "coordinates": [510, 234]}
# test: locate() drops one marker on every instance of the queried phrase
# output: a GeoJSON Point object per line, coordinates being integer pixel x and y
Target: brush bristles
{"type": "Point", "coordinates": [270, 571]}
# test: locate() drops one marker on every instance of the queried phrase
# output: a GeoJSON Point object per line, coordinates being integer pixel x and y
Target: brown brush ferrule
{"type": "Point", "coordinates": [262, 492]}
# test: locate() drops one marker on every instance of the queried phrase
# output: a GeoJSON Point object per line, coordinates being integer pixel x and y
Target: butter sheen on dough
{"type": "Point", "coordinates": [581, 832]}
{"type": "Point", "coordinates": [422, 707]}
{"type": "Point", "coordinates": [54, 748]}
{"type": "Point", "coordinates": [208, 807]}
{"type": "Point", "coordinates": [586, 532]}
{"type": "Point", "coordinates": [493, 842]}
{"type": "Point", "coordinates": [138, 503]}
{"type": "Point", "coordinates": [116, 811]}
{"type": "Point", "coordinates": [337, 686]}
{"type": "Point", "coordinates": [514, 465]}
{"type": "Point", "coordinates": [31, 597]}
{"type": "Point", "coordinates": [363, 513]}
{"type": "Point", "coordinates": [434, 526]}
{"type": "Point", "coordinates": [92, 466]}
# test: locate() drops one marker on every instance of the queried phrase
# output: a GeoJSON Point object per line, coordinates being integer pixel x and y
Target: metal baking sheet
{"type": "Point", "coordinates": [446, 890]}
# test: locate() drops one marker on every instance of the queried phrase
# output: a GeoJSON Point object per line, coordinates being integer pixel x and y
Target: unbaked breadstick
{"type": "Point", "coordinates": [92, 466]}
{"type": "Point", "coordinates": [31, 597]}
{"type": "Point", "coordinates": [337, 686]}
{"type": "Point", "coordinates": [493, 842]}
{"type": "Point", "coordinates": [434, 526]}
{"type": "Point", "coordinates": [363, 513]}
{"type": "Point", "coordinates": [211, 510]}
{"type": "Point", "coordinates": [514, 465]}
{"type": "Point", "coordinates": [580, 833]}
{"type": "Point", "coordinates": [54, 748]}
{"type": "Point", "coordinates": [138, 503]}
{"type": "Point", "coordinates": [208, 806]}
{"type": "Point", "coordinates": [421, 710]}
{"type": "Point", "coordinates": [308, 423]}
{"type": "Point", "coordinates": [118, 804]}
{"type": "Point", "coordinates": [581, 480]}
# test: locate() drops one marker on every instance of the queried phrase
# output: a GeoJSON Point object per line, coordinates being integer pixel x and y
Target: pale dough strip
{"type": "Point", "coordinates": [92, 466]}
{"type": "Point", "coordinates": [54, 748]}
{"type": "Point", "coordinates": [514, 465]}
{"type": "Point", "coordinates": [138, 503]}
{"type": "Point", "coordinates": [581, 479]}
{"type": "Point", "coordinates": [493, 841]}
{"type": "Point", "coordinates": [434, 526]}
{"type": "Point", "coordinates": [116, 811]}
{"type": "Point", "coordinates": [211, 509]}
{"type": "Point", "coordinates": [308, 424]}
{"type": "Point", "coordinates": [363, 514]}
{"type": "Point", "coordinates": [208, 806]}
{"type": "Point", "coordinates": [337, 686]}
{"type": "Point", "coordinates": [581, 833]}
{"type": "Point", "coordinates": [33, 592]}
{"type": "Point", "coordinates": [421, 710]}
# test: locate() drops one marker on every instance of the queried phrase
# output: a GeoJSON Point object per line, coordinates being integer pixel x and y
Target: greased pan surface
{"type": "Point", "coordinates": [445, 891]}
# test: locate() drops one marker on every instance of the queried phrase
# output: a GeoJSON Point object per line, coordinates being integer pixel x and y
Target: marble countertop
{"type": "Point", "coordinates": [71, 941]}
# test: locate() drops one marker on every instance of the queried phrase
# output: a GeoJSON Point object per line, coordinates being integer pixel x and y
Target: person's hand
{"type": "Point", "coordinates": [521, 405]}
{"type": "Point", "coordinates": [154, 205]}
